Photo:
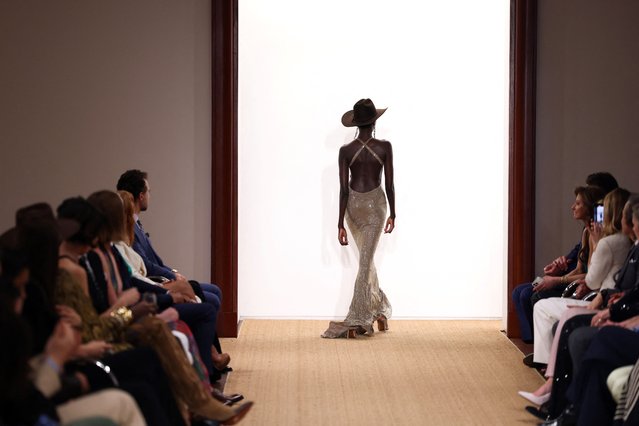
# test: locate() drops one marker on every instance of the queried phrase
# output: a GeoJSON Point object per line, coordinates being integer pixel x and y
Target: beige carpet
{"type": "Point", "coordinates": [417, 373]}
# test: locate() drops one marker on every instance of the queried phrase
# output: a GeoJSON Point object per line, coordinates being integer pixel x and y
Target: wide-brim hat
{"type": "Point", "coordinates": [362, 114]}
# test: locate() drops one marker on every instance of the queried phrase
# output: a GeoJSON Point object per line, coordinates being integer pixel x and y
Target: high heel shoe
{"type": "Point", "coordinates": [220, 361]}
{"type": "Point", "coordinates": [382, 323]}
{"type": "Point", "coordinates": [240, 412]}
{"type": "Point", "coordinates": [227, 399]}
{"type": "Point", "coordinates": [537, 400]}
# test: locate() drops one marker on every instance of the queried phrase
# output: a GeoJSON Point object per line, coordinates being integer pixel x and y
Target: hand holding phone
{"type": "Point", "coordinates": [599, 214]}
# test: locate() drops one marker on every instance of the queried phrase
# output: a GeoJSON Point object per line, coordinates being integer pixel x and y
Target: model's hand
{"type": "Point", "coordinates": [390, 225]}
{"type": "Point", "coordinates": [342, 237]}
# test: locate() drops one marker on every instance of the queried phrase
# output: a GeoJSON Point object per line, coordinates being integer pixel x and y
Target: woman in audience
{"type": "Point", "coordinates": [560, 271]}
{"type": "Point", "coordinates": [37, 391]}
{"type": "Point", "coordinates": [121, 329]}
{"type": "Point", "coordinates": [610, 248]}
{"type": "Point", "coordinates": [124, 235]}
{"type": "Point", "coordinates": [106, 261]}
{"type": "Point", "coordinates": [613, 346]}
{"type": "Point", "coordinates": [212, 293]}
{"type": "Point", "coordinates": [522, 294]}
{"type": "Point", "coordinates": [583, 209]}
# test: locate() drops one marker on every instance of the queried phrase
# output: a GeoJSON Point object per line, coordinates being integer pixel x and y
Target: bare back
{"type": "Point", "coordinates": [365, 160]}
{"type": "Point", "coordinates": [361, 163]}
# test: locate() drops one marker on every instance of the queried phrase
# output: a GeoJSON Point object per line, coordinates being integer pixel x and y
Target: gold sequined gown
{"type": "Point", "coordinates": [365, 217]}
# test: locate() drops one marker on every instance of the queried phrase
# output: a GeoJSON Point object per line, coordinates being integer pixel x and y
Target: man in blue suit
{"type": "Point", "coordinates": [136, 182]}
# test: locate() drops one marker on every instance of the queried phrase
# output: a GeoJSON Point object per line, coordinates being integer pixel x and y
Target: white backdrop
{"type": "Point", "coordinates": [441, 68]}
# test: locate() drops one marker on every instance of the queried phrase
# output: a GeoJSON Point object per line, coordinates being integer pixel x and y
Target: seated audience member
{"type": "Point", "coordinates": [136, 183]}
{"type": "Point", "coordinates": [627, 412]}
{"type": "Point", "coordinates": [624, 279]}
{"type": "Point", "coordinates": [591, 401]}
{"type": "Point", "coordinates": [603, 180]}
{"type": "Point", "coordinates": [553, 282]}
{"type": "Point", "coordinates": [127, 335]}
{"type": "Point", "coordinates": [522, 294]}
{"type": "Point", "coordinates": [608, 256]}
{"type": "Point", "coordinates": [37, 390]}
{"type": "Point", "coordinates": [112, 276]}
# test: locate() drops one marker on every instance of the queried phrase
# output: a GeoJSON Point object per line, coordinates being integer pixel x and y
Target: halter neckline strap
{"type": "Point", "coordinates": [365, 145]}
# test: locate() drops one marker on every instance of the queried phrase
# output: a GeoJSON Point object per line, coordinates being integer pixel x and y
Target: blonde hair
{"type": "Point", "coordinates": [128, 235]}
{"type": "Point", "coordinates": [614, 203]}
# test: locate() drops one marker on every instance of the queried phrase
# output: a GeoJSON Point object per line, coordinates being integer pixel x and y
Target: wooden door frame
{"type": "Point", "coordinates": [224, 197]}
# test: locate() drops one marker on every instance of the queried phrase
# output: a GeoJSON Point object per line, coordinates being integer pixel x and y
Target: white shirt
{"type": "Point", "coordinates": [134, 260]}
{"type": "Point", "coordinates": [607, 260]}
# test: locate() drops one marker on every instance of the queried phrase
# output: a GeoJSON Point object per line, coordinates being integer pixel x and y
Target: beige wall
{"type": "Point", "coordinates": [587, 108]}
{"type": "Point", "coordinates": [89, 89]}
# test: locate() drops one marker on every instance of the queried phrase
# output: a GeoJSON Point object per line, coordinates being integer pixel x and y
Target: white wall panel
{"type": "Point", "coordinates": [441, 68]}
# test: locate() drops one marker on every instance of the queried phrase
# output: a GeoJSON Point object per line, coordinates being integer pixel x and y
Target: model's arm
{"type": "Point", "coordinates": [343, 196]}
{"type": "Point", "coordinates": [390, 188]}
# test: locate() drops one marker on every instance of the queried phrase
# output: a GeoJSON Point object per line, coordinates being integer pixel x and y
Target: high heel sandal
{"type": "Point", "coordinates": [240, 412]}
{"type": "Point", "coordinates": [382, 323]}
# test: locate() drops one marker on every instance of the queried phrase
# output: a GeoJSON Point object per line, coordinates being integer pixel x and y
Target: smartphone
{"type": "Point", "coordinates": [599, 213]}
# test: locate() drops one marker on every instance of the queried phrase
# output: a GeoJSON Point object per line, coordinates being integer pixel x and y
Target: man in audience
{"type": "Point", "coordinates": [137, 184]}
{"type": "Point", "coordinates": [524, 297]}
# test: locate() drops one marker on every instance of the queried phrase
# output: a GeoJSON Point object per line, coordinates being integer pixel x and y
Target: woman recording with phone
{"type": "Point", "coordinates": [610, 247]}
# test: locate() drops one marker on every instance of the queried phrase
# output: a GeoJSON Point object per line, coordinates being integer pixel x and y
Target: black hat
{"type": "Point", "coordinates": [362, 114]}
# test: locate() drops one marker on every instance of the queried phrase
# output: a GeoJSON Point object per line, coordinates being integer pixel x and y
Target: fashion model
{"type": "Point", "coordinates": [363, 203]}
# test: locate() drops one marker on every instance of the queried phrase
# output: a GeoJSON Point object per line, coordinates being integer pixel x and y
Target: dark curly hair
{"type": "Point", "coordinates": [603, 180]}
{"type": "Point", "coordinates": [133, 181]}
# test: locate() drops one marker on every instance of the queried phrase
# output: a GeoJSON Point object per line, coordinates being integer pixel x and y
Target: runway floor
{"type": "Point", "coordinates": [417, 373]}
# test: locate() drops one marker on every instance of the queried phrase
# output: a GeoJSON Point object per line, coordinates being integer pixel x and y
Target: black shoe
{"type": "Point", "coordinates": [528, 361]}
{"type": "Point", "coordinates": [541, 412]}
{"type": "Point", "coordinates": [227, 399]}
{"type": "Point", "coordinates": [567, 418]}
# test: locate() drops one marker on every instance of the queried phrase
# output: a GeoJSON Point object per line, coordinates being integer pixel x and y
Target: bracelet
{"type": "Point", "coordinates": [563, 279]}
{"type": "Point", "coordinates": [123, 314]}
